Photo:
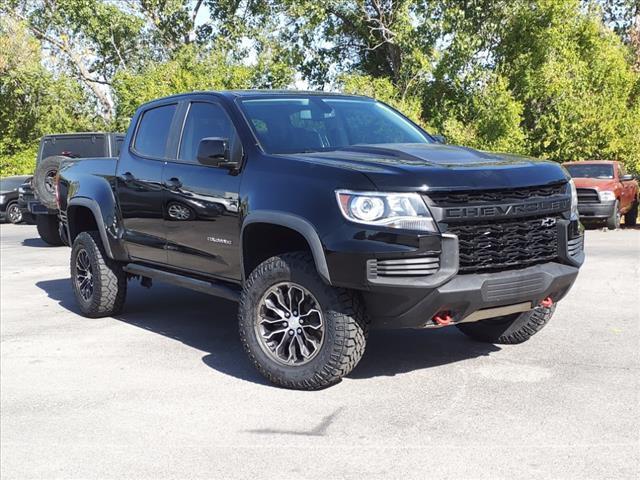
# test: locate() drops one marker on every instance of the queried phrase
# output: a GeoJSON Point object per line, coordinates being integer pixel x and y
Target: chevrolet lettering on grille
{"type": "Point", "coordinates": [510, 210]}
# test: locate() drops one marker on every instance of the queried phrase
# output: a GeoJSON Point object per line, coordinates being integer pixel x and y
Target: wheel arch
{"type": "Point", "coordinates": [265, 225]}
{"type": "Point", "coordinates": [84, 214]}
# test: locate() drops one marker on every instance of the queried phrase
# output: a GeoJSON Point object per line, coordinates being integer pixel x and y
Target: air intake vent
{"type": "Point", "coordinates": [575, 246]}
{"type": "Point", "coordinates": [403, 267]}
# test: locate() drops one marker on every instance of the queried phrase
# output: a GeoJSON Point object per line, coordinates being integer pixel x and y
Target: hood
{"type": "Point", "coordinates": [424, 167]}
{"type": "Point", "coordinates": [597, 183]}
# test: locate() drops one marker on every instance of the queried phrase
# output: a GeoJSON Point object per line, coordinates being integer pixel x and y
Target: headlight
{"type": "Point", "coordinates": [606, 196]}
{"type": "Point", "coordinates": [574, 199]}
{"type": "Point", "coordinates": [393, 210]}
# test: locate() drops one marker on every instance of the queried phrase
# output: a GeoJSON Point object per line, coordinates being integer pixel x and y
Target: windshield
{"type": "Point", "coordinates": [590, 170]}
{"type": "Point", "coordinates": [314, 123]}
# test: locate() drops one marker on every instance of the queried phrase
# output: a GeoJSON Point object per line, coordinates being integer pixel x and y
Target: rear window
{"type": "Point", "coordinates": [75, 147]}
{"type": "Point", "coordinates": [153, 131]}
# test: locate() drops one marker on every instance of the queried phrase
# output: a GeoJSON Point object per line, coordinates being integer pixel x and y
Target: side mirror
{"type": "Point", "coordinates": [626, 178]}
{"type": "Point", "coordinates": [439, 138]}
{"type": "Point", "coordinates": [214, 152]}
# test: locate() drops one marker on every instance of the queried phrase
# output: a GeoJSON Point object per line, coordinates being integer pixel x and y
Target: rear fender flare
{"type": "Point", "coordinates": [97, 214]}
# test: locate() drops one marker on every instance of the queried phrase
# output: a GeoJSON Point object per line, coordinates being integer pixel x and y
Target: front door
{"type": "Point", "coordinates": [628, 191]}
{"type": "Point", "coordinates": [201, 202]}
{"type": "Point", "coordinates": [139, 185]}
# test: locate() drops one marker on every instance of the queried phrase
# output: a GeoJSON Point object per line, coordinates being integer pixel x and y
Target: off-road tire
{"type": "Point", "coordinates": [48, 229]}
{"type": "Point", "coordinates": [631, 217]}
{"type": "Point", "coordinates": [510, 329]}
{"type": "Point", "coordinates": [346, 326]}
{"type": "Point", "coordinates": [109, 279]}
{"type": "Point", "coordinates": [613, 222]}
{"type": "Point", "coordinates": [47, 168]}
{"type": "Point", "coordinates": [14, 214]}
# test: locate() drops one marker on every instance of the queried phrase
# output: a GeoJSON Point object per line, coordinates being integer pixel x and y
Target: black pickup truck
{"type": "Point", "coordinates": [322, 215]}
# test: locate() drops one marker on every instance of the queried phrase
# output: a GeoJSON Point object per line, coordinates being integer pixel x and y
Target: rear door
{"type": "Point", "coordinates": [139, 183]}
{"type": "Point", "coordinates": [201, 202]}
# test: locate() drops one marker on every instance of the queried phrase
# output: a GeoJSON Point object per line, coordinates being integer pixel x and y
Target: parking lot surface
{"type": "Point", "coordinates": [165, 391]}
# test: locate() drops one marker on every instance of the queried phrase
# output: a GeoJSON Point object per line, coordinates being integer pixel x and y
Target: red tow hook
{"type": "Point", "coordinates": [547, 302]}
{"type": "Point", "coordinates": [442, 318]}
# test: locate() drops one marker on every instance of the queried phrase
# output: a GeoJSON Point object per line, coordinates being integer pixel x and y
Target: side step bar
{"type": "Point", "coordinates": [212, 288]}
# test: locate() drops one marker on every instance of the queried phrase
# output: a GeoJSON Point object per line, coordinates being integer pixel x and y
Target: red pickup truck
{"type": "Point", "coordinates": [605, 192]}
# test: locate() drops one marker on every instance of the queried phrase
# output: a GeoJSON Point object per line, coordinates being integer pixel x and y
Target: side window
{"type": "Point", "coordinates": [153, 131]}
{"type": "Point", "coordinates": [621, 171]}
{"type": "Point", "coordinates": [205, 120]}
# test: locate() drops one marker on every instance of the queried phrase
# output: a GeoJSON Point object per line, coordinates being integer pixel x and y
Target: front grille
{"type": "Point", "coordinates": [504, 244]}
{"type": "Point", "coordinates": [479, 197]}
{"type": "Point", "coordinates": [404, 267]}
{"type": "Point", "coordinates": [588, 195]}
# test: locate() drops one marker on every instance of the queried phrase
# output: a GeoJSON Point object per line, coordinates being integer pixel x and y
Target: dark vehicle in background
{"type": "Point", "coordinates": [321, 214]}
{"type": "Point", "coordinates": [605, 193]}
{"type": "Point", "coordinates": [39, 199]}
{"type": "Point", "coordinates": [26, 196]}
{"type": "Point", "coordinates": [10, 210]}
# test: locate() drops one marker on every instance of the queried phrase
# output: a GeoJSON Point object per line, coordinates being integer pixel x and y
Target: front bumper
{"type": "Point", "coordinates": [402, 301]}
{"type": "Point", "coordinates": [595, 211]}
{"type": "Point", "coordinates": [465, 295]}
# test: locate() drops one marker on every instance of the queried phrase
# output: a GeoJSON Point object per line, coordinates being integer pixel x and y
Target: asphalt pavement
{"type": "Point", "coordinates": [164, 390]}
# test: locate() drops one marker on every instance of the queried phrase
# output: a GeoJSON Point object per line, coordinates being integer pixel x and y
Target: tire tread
{"type": "Point", "coordinates": [112, 289]}
{"type": "Point", "coordinates": [351, 325]}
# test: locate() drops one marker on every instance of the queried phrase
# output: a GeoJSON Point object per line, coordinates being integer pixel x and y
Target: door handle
{"type": "Point", "coordinates": [128, 177]}
{"type": "Point", "coordinates": [173, 184]}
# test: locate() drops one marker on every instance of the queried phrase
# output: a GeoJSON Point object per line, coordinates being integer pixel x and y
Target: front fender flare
{"type": "Point", "coordinates": [298, 224]}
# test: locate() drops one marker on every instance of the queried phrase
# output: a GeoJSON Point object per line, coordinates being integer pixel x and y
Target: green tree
{"type": "Point", "coordinates": [30, 99]}
{"type": "Point", "coordinates": [382, 89]}
{"type": "Point", "coordinates": [492, 120]}
{"type": "Point", "coordinates": [193, 69]}
{"type": "Point", "coordinates": [574, 79]}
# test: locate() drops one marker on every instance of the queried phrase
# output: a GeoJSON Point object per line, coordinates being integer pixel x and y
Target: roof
{"type": "Point", "coordinates": [75, 134]}
{"type": "Point", "coordinates": [16, 177]}
{"type": "Point", "coordinates": [255, 93]}
{"type": "Point", "coordinates": [260, 92]}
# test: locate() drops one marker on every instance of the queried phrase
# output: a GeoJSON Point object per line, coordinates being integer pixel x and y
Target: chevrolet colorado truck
{"type": "Point", "coordinates": [37, 198]}
{"type": "Point", "coordinates": [605, 192]}
{"type": "Point", "coordinates": [322, 215]}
